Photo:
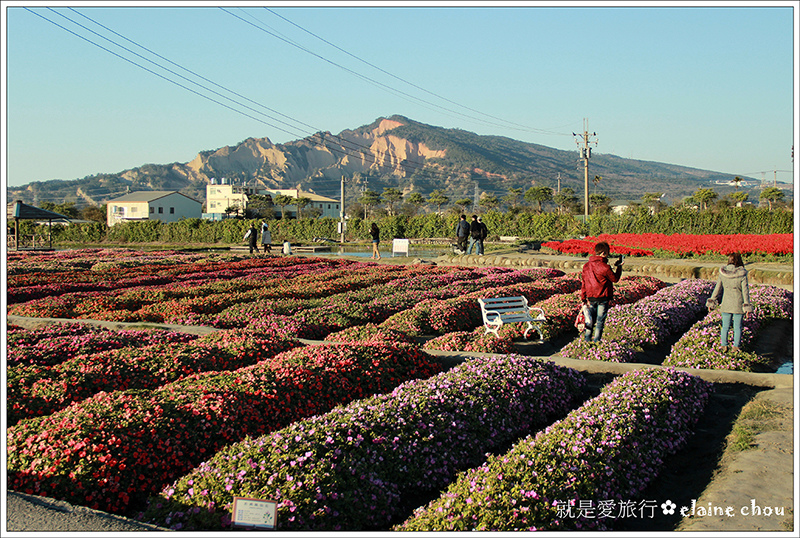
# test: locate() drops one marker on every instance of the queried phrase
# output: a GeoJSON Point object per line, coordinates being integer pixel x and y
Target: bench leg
{"type": "Point", "coordinates": [494, 330]}
{"type": "Point", "coordinates": [534, 326]}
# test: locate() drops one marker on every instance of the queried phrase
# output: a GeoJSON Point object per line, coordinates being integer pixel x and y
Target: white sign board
{"type": "Point", "coordinates": [400, 245]}
{"type": "Point", "coordinates": [253, 513]}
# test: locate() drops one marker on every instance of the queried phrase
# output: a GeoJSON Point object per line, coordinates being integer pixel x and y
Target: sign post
{"type": "Point", "coordinates": [254, 513]}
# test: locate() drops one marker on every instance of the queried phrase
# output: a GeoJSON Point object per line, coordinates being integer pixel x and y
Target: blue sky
{"type": "Point", "coordinates": [706, 87]}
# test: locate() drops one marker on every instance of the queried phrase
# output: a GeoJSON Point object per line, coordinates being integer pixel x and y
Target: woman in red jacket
{"type": "Point", "coordinates": [597, 288]}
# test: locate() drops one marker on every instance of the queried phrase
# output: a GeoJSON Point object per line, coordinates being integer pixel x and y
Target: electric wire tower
{"type": "Point", "coordinates": [584, 153]}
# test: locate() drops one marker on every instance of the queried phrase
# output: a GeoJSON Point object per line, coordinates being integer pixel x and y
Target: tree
{"type": "Point", "coordinates": [260, 206]}
{"type": "Point", "coordinates": [512, 198]}
{"type": "Point", "coordinates": [489, 201]}
{"type": "Point", "coordinates": [565, 199]}
{"type": "Point", "coordinates": [368, 199]}
{"type": "Point", "coordinates": [438, 198]}
{"type": "Point", "coordinates": [740, 197]}
{"type": "Point", "coordinates": [282, 200]}
{"type": "Point", "coordinates": [67, 209]}
{"type": "Point", "coordinates": [653, 201]}
{"type": "Point", "coordinates": [771, 195]}
{"type": "Point", "coordinates": [301, 203]}
{"type": "Point", "coordinates": [391, 196]}
{"type": "Point", "coordinates": [600, 203]}
{"type": "Point", "coordinates": [94, 212]}
{"type": "Point", "coordinates": [703, 196]}
{"type": "Point", "coordinates": [539, 195]}
{"type": "Point", "coordinates": [414, 201]}
{"type": "Point", "coordinates": [233, 209]}
{"type": "Point", "coordinates": [736, 181]}
{"type": "Point", "coordinates": [463, 203]}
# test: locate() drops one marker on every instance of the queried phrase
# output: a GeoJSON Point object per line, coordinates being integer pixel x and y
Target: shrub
{"type": "Point", "coordinates": [609, 449]}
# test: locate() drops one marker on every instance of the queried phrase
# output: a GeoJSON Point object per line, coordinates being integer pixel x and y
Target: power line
{"type": "Point", "coordinates": [510, 125]}
{"type": "Point", "coordinates": [363, 152]}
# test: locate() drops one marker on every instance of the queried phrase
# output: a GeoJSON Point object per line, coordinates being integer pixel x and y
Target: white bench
{"type": "Point", "coordinates": [498, 311]}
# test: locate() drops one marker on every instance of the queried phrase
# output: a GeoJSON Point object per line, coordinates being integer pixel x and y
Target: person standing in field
{"type": "Point", "coordinates": [462, 233]}
{"type": "Point", "coordinates": [266, 237]}
{"type": "Point", "coordinates": [484, 235]}
{"type": "Point", "coordinates": [597, 288]}
{"type": "Point", "coordinates": [474, 235]}
{"type": "Point", "coordinates": [251, 237]}
{"type": "Point", "coordinates": [734, 288]}
{"type": "Point", "coordinates": [375, 233]}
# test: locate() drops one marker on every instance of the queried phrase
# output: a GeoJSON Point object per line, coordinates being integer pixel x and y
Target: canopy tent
{"type": "Point", "coordinates": [19, 211]}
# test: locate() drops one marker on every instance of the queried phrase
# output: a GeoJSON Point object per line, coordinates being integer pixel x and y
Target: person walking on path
{"type": "Point", "coordinates": [484, 235]}
{"type": "Point", "coordinates": [474, 235]}
{"type": "Point", "coordinates": [597, 288]}
{"type": "Point", "coordinates": [734, 288]}
{"type": "Point", "coordinates": [266, 237]}
{"type": "Point", "coordinates": [376, 240]}
{"type": "Point", "coordinates": [251, 237]}
{"type": "Point", "coordinates": [462, 233]}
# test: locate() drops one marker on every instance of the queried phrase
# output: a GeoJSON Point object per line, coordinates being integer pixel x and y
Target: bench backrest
{"type": "Point", "coordinates": [505, 305]}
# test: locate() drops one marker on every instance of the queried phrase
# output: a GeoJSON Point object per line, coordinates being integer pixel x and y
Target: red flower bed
{"type": "Point", "coordinates": [110, 451]}
{"type": "Point", "coordinates": [683, 244]}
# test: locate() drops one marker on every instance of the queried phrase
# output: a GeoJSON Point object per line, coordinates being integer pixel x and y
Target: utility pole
{"type": "Point", "coordinates": [341, 213]}
{"type": "Point", "coordinates": [584, 153]}
{"type": "Point", "coordinates": [476, 198]}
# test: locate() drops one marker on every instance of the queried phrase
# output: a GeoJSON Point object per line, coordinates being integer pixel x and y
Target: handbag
{"type": "Point", "coordinates": [580, 321]}
{"type": "Point", "coordinates": [587, 316]}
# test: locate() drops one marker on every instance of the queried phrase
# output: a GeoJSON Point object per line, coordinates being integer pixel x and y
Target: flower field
{"type": "Point", "coordinates": [353, 430]}
{"type": "Point", "coordinates": [680, 244]}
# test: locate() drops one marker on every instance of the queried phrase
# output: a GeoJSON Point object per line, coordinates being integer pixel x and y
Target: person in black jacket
{"type": "Point", "coordinates": [484, 235]}
{"type": "Point", "coordinates": [474, 235]}
{"type": "Point", "coordinates": [251, 237]}
{"type": "Point", "coordinates": [375, 233]}
{"type": "Point", "coordinates": [462, 233]}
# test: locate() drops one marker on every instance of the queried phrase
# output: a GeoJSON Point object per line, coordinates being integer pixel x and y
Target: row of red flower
{"type": "Point", "coordinates": [682, 244]}
{"type": "Point", "coordinates": [112, 450]}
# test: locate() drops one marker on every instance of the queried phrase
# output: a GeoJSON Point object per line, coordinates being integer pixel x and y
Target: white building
{"type": "Point", "coordinates": [223, 197]}
{"type": "Point", "coordinates": [166, 206]}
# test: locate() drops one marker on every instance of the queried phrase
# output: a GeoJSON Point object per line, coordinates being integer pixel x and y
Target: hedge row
{"type": "Point", "coordinates": [366, 465]}
{"type": "Point", "coordinates": [606, 451]}
{"type": "Point", "coordinates": [110, 451]}
{"type": "Point", "coordinates": [538, 226]}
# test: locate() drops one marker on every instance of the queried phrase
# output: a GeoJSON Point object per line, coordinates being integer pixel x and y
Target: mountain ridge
{"type": "Point", "coordinates": [392, 151]}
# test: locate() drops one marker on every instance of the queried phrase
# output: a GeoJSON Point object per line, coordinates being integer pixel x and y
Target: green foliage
{"type": "Point", "coordinates": [524, 224]}
{"type": "Point", "coordinates": [732, 220]}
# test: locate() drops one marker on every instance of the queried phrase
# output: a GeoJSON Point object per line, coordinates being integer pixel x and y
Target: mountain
{"type": "Point", "coordinates": [391, 152]}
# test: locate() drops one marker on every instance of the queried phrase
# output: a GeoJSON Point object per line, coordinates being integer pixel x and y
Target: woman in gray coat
{"type": "Point", "coordinates": [732, 284]}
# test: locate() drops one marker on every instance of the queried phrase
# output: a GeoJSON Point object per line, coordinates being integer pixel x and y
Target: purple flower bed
{"type": "Point", "coordinates": [609, 449]}
{"type": "Point", "coordinates": [604, 350]}
{"type": "Point", "coordinates": [669, 311]}
{"type": "Point", "coordinates": [363, 466]}
{"type": "Point", "coordinates": [700, 346]}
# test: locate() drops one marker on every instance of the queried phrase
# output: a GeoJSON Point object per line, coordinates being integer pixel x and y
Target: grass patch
{"type": "Point", "coordinates": [756, 417]}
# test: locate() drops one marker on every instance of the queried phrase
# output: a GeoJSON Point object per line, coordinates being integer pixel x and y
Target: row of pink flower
{"type": "Point", "coordinates": [700, 346]}
{"type": "Point", "coordinates": [110, 451]}
{"type": "Point", "coordinates": [365, 465]}
{"type": "Point", "coordinates": [52, 344]}
{"type": "Point", "coordinates": [606, 451]}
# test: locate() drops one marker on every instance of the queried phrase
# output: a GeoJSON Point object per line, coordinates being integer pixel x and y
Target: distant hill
{"type": "Point", "coordinates": [390, 152]}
